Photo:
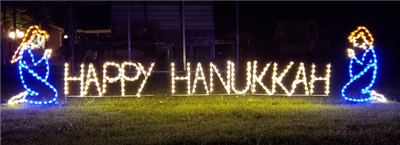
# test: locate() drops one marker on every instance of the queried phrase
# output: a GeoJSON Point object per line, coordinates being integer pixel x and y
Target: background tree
{"type": "Point", "coordinates": [26, 16]}
{"type": "Point", "coordinates": [23, 20]}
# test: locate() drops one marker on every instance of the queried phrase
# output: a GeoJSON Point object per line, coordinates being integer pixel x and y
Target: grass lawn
{"type": "Point", "coordinates": [202, 120]}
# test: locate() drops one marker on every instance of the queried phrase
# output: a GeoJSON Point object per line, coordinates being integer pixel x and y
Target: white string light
{"type": "Point", "coordinates": [106, 78]}
{"type": "Point", "coordinates": [126, 78]}
{"type": "Point", "coordinates": [226, 84]}
{"type": "Point", "coordinates": [252, 78]}
{"type": "Point", "coordinates": [248, 78]}
{"type": "Point", "coordinates": [146, 76]}
{"type": "Point", "coordinates": [92, 77]}
{"type": "Point", "coordinates": [258, 79]}
{"type": "Point", "coordinates": [301, 71]}
{"type": "Point", "coordinates": [173, 78]}
{"type": "Point", "coordinates": [67, 78]}
{"type": "Point", "coordinates": [278, 80]}
{"type": "Point", "coordinates": [326, 79]}
{"type": "Point", "coordinates": [18, 98]}
{"type": "Point", "coordinates": [180, 78]}
{"type": "Point", "coordinates": [199, 70]}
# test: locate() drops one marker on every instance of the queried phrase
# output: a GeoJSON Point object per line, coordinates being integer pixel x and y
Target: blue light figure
{"type": "Point", "coordinates": [36, 84]}
{"type": "Point", "coordinates": [368, 65]}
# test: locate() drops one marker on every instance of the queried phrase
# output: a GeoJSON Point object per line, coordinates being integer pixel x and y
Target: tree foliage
{"type": "Point", "coordinates": [27, 16]}
{"type": "Point", "coordinates": [23, 20]}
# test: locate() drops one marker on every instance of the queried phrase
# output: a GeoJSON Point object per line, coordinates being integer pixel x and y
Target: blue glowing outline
{"type": "Point", "coordinates": [23, 65]}
{"type": "Point", "coordinates": [365, 90]}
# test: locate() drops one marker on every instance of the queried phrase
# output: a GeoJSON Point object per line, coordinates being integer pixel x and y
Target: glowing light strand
{"type": "Point", "coordinates": [301, 71]}
{"type": "Point", "coordinates": [326, 79]}
{"type": "Point", "coordinates": [107, 79]}
{"type": "Point", "coordinates": [67, 78]}
{"type": "Point", "coordinates": [89, 79]}
{"type": "Point", "coordinates": [258, 79]}
{"type": "Point", "coordinates": [226, 83]}
{"type": "Point", "coordinates": [146, 76]}
{"type": "Point", "coordinates": [252, 78]}
{"type": "Point", "coordinates": [125, 78]}
{"type": "Point", "coordinates": [173, 78]}
{"type": "Point", "coordinates": [248, 78]}
{"type": "Point", "coordinates": [278, 80]}
{"type": "Point", "coordinates": [199, 71]}
{"type": "Point", "coordinates": [36, 34]}
{"type": "Point", "coordinates": [23, 65]}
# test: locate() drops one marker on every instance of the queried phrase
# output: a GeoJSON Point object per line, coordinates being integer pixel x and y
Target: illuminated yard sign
{"type": "Point", "coordinates": [39, 91]}
{"type": "Point", "coordinates": [88, 78]}
{"type": "Point", "coordinates": [362, 40]}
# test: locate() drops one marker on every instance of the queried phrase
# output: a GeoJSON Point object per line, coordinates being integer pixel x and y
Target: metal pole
{"type": "Point", "coordinates": [183, 36]}
{"type": "Point", "coordinates": [3, 47]}
{"type": "Point", "coordinates": [13, 44]}
{"type": "Point", "coordinates": [237, 36]}
{"type": "Point", "coordinates": [72, 35]}
{"type": "Point", "coordinates": [14, 20]}
{"type": "Point", "coordinates": [129, 33]}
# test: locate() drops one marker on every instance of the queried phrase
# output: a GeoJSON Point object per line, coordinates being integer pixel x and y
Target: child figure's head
{"type": "Point", "coordinates": [34, 39]}
{"type": "Point", "coordinates": [361, 38]}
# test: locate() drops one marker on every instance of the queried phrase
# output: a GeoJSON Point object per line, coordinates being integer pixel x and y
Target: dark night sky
{"type": "Point", "coordinates": [258, 17]}
{"type": "Point", "coordinates": [381, 18]}
{"type": "Point", "coordinates": [340, 17]}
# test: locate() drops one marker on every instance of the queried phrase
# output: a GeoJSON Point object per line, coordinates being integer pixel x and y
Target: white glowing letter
{"type": "Point", "coordinates": [106, 78]}
{"type": "Point", "coordinates": [68, 78]}
{"type": "Point", "coordinates": [124, 77]}
{"type": "Point", "coordinates": [248, 78]}
{"type": "Point", "coordinates": [173, 78]}
{"type": "Point", "coordinates": [146, 76]}
{"type": "Point", "coordinates": [279, 79]}
{"type": "Point", "coordinates": [226, 84]}
{"type": "Point", "coordinates": [301, 71]}
{"type": "Point", "coordinates": [89, 79]}
{"type": "Point", "coordinates": [199, 70]}
{"type": "Point", "coordinates": [258, 79]}
{"type": "Point", "coordinates": [326, 79]}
